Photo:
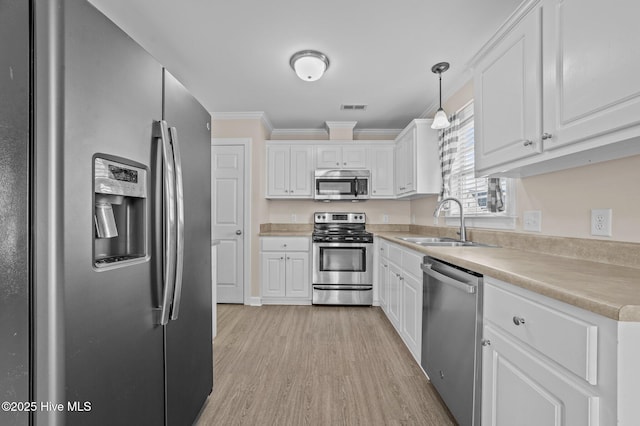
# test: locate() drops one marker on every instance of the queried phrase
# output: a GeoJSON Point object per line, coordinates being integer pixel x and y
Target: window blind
{"type": "Point", "coordinates": [471, 192]}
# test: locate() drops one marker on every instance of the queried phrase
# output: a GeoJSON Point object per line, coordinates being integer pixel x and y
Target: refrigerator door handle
{"type": "Point", "coordinates": [169, 225]}
{"type": "Point", "coordinates": [175, 307]}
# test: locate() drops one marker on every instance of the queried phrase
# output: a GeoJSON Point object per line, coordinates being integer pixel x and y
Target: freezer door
{"type": "Point", "coordinates": [14, 209]}
{"type": "Point", "coordinates": [113, 347]}
{"type": "Point", "coordinates": [189, 358]}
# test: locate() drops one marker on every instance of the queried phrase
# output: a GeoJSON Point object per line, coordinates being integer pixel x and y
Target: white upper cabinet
{"type": "Point", "coordinates": [559, 89]}
{"type": "Point", "coordinates": [289, 171]}
{"type": "Point", "coordinates": [509, 86]}
{"type": "Point", "coordinates": [592, 69]}
{"type": "Point", "coordinates": [341, 157]}
{"type": "Point", "coordinates": [381, 164]}
{"type": "Point", "coordinates": [417, 164]}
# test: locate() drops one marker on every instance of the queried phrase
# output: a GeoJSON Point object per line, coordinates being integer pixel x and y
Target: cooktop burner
{"type": "Point", "coordinates": [340, 227]}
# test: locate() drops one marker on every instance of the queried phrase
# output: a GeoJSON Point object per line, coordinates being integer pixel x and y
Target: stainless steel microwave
{"type": "Point", "coordinates": [354, 185]}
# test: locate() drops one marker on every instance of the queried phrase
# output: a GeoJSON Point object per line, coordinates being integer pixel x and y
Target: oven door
{"type": "Point", "coordinates": [343, 263]}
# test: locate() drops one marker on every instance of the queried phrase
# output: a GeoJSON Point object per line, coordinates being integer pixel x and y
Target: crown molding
{"type": "Point", "coordinates": [244, 115]}
{"type": "Point", "coordinates": [306, 133]}
{"type": "Point", "coordinates": [376, 133]}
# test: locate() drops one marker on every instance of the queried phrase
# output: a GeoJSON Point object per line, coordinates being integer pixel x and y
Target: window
{"type": "Point", "coordinates": [472, 192]}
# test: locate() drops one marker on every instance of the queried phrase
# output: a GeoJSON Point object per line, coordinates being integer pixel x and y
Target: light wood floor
{"type": "Point", "coordinates": [315, 365]}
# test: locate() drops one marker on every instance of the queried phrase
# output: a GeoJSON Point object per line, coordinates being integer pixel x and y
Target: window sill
{"type": "Point", "coordinates": [490, 222]}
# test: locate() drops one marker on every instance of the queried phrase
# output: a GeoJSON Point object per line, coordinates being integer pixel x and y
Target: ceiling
{"type": "Point", "coordinates": [234, 55]}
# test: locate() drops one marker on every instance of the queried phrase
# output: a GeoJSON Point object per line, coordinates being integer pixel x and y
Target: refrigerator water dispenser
{"type": "Point", "coordinates": [120, 212]}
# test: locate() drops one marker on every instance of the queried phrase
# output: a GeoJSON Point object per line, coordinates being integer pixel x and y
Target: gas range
{"type": "Point", "coordinates": [342, 259]}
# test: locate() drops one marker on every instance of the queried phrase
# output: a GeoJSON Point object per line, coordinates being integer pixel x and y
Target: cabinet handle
{"type": "Point", "coordinates": [518, 320]}
{"type": "Point", "coordinates": [528, 143]}
{"type": "Point", "coordinates": [486, 342]}
{"type": "Point", "coordinates": [546, 136]}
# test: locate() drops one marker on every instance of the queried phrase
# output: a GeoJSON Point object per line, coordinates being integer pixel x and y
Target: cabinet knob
{"type": "Point", "coordinates": [286, 190]}
{"type": "Point", "coordinates": [546, 136]}
{"type": "Point", "coordinates": [527, 143]}
{"type": "Point", "coordinates": [374, 191]}
{"type": "Point", "coordinates": [337, 164]}
{"type": "Point", "coordinates": [288, 258]}
{"type": "Point", "coordinates": [518, 320]}
{"type": "Point", "coordinates": [284, 245]}
{"type": "Point", "coordinates": [486, 342]}
{"type": "Point", "coordinates": [239, 232]}
{"type": "Point", "coordinates": [282, 258]}
{"type": "Point", "coordinates": [386, 266]}
{"type": "Point", "coordinates": [345, 163]}
{"type": "Point", "coordinates": [291, 192]}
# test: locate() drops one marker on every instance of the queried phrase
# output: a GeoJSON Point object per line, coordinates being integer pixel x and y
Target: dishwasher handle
{"type": "Point", "coordinates": [467, 288]}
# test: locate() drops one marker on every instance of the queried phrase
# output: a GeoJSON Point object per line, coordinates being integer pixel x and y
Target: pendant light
{"type": "Point", "coordinates": [309, 65]}
{"type": "Point", "coordinates": [440, 120]}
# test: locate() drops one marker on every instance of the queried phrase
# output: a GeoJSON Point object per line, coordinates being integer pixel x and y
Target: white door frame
{"type": "Point", "coordinates": [246, 143]}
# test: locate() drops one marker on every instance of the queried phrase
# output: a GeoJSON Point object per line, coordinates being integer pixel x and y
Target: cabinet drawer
{"type": "Point", "coordinates": [411, 263]}
{"type": "Point", "coordinates": [567, 340]}
{"type": "Point", "coordinates": [284, 243]}
{"type": "Point", "coordinates": [395, 254]}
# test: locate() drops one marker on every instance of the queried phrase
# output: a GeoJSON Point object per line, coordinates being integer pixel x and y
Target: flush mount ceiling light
{"type": "Point", "coordinates": [440, 120]}
{"type": "Point", "coordinates": [309, 65]}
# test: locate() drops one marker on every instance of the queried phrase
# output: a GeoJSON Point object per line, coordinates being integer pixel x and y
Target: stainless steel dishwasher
{"type": "Point", "coordinates": [451, 330]}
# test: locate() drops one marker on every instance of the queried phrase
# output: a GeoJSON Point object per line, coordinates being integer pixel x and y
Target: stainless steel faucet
{"type": "Point", "coordinates": [436, 213]}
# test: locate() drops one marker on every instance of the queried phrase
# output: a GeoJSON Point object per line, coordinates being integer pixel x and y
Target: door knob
{"type": "Point", "coordinates": [238, 232]}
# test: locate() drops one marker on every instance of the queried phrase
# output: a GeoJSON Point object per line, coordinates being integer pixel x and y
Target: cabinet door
{"type": "Point", "coordinates": [395, 296]}
{"type": "Point", "coordinates": [382, 160]}
{"type": "Point", "coordinates": [519, 389]}
{"type": "Point", "coordinates": [508, 93]}
{"type": "Point", "coordinates": [273, 274]}
{"type": "Point", "coordinates": [278, 171]}
{"type": "Point", "coordinates": [410, 158]}
{"type": "Point", "coordinates": [301, 171]}
{"type": "Point", "coordinates": [592, 65]}
{"type": "Point", "coordinates": [412, 313]}
{"type": "Point", "coordinates": [383, 284]}
{"type": "Point", "coordinates": [298, 281]}
{"type": "Point", "coordinates": [400, 167]}
{"type": "Point", "coordinates": [328, 157]}
{"type": "Point", "coordinates": [354, 157]}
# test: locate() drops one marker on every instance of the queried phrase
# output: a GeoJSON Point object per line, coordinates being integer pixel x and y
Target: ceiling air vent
{"type": "Point", "coordinates": [353, 107]}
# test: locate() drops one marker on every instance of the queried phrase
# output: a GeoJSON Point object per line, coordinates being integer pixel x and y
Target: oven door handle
{"type": "Point", "coordinates": [343, 287]}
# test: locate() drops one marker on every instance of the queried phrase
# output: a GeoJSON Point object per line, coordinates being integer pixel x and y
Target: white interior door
{"type": "Point", "coordinates": [227, 220]}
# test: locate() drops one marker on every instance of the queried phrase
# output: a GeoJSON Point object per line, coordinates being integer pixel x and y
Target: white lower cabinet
{"type": "Point", "coordinates": [519, 389]}
{"type": "Point", "coordinates": [395, 295]}
{"type": "Point", "coordinates": [285, 273]}
{"type": "Point", "coordinates": [400, 293]}
{"type": "Point", "coordinates": [412, 314]}
{"type": "Point", "coordinates": [545, 362]}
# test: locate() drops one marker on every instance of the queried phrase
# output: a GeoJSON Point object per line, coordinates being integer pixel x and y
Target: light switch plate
{"type": "Point", "coordinates": [385, 218]}
{"type": "Point", "coordinates": [601, 222]}
{"type": "Point", "coordinates": [532, 221]}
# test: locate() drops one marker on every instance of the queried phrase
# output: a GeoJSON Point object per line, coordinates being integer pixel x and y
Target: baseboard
{"type": "Point", "coordinates": [253, 301]}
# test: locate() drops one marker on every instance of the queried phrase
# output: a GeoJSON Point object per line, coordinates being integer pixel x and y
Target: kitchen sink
{"type": "Point", "coordinates": [442, 242]}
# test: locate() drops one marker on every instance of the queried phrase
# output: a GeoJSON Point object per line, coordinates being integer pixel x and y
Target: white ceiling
{"type": "Point", "coordinates": [234, 54]}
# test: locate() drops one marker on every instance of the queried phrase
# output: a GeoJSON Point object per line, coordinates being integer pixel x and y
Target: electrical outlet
{"type": "Point", "coordinates": [294, 218]}
{"type": "Point", "coordinates": [601, 222]}
{"type": "Point", "coordinates": [385, 218]}
{"type": "Point", "coordinates": [532, 220]}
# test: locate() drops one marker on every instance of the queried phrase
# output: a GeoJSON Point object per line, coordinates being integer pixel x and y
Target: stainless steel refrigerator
{"type": "Point", "coordinates": [105, 258]}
